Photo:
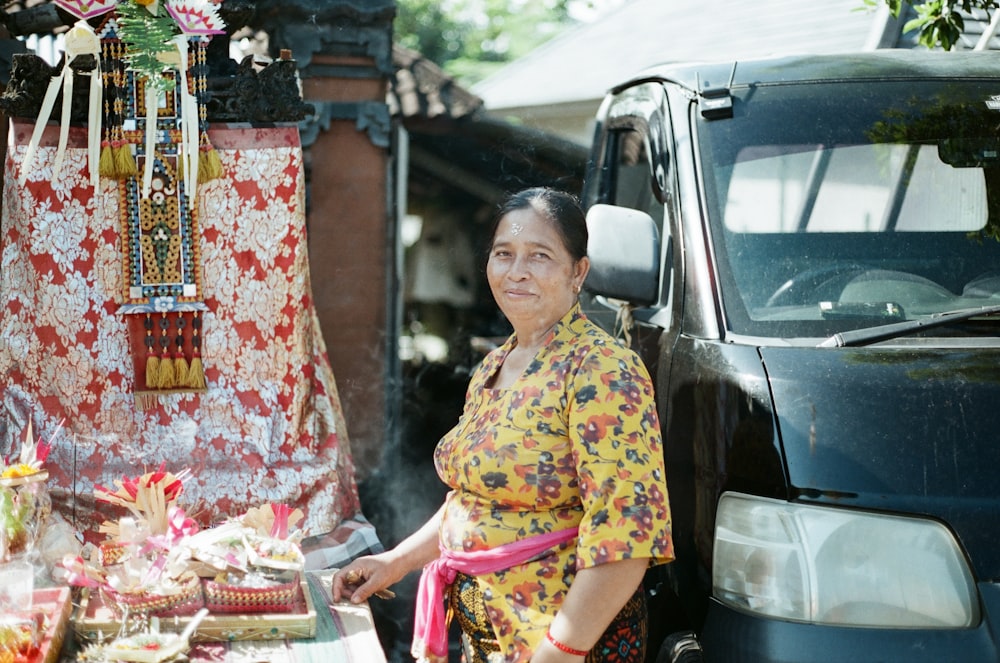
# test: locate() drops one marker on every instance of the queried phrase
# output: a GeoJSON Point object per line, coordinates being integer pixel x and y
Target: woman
{"type": "Point", "coordinates": [558, 501]}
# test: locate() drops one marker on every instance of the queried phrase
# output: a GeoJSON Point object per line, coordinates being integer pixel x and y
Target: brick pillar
{"type": "Point", "coordinates": [344, 53]}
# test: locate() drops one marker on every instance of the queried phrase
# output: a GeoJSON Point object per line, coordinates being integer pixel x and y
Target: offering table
{"type": "Point", "coordinates": [340, 632]}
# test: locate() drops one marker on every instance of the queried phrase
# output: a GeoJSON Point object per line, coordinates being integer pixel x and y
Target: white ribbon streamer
{"type": "Point", "coordinates": [80, 40]}
{"type": "Point", "coordinates": [94, 125]}
{"type": "Point", "coordinates": [152, 102]}
{"type": "Point", "coordinates": [189, 125]}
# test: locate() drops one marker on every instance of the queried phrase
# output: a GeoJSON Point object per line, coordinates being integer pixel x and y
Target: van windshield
{"type": "Point", "coordinates": [837, 206]}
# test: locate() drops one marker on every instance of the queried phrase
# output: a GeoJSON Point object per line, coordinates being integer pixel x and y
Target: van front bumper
{"type": "Point", "coordinates": [733, 636]}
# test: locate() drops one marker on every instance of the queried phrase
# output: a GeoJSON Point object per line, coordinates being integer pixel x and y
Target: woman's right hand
{"type": "Point", "coordinates": [365, 576]}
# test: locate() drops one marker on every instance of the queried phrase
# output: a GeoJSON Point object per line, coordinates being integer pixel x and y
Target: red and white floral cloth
{"type": "Point", "coordinates": [270, 427]}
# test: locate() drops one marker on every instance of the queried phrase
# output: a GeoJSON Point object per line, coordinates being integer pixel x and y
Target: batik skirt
{"type": "Point", "coordinates": [624, 641]}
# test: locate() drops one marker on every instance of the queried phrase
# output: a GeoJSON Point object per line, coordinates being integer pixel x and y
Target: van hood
{"type": "Point", "coordinates": [906, 430]}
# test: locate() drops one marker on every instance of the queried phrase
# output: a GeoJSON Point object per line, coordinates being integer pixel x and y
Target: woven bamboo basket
{"type": "Point", "coordinates": [228, 598]}
{"type": "Point", "coordinates": [189, 598]}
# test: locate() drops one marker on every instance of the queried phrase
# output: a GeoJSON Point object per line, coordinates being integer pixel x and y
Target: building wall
{"type": "Point", "coordinates": [349, 228]}
{"type": "Point", "coordinates": [344, 52]}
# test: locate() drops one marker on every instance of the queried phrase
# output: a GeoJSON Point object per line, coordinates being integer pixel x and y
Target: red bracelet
{"type": "Point", "coordinates": [563, 648]}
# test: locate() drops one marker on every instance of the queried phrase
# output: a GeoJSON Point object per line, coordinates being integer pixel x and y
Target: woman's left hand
{"type": "Point", "coordinates": [594, 599]}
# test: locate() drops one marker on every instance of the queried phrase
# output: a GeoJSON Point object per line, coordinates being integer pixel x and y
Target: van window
{"type": "Point", "coordinates": [883, 206]}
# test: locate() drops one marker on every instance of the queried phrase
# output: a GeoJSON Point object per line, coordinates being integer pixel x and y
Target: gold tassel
{"type": "Point", "coordinates": [209, 165]}
{"type": "Point", "coordinates": [165, 378]}
{"type": "Point", "coordinates": [106, 164]}
{"type": "Point", "coordinates": [196, 374]}
{"type": "Point", "coordinates": [124, 161]}
{"type": "Point", "coordinates": [181, 371]}
{"type": "Point", "coordinates": [152, 371]}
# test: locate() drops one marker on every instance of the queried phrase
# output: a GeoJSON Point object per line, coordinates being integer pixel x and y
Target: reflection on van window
{"type": "Point", "coordinates": [633, 173]}
{"type": "Point", "coordinates": [851, 189]}
{"type": "Point", "coordinates": [884, 207]}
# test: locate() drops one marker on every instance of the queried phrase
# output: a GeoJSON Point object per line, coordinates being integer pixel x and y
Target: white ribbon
{"type": "Point", "coordinates": [187, 152]}
{"type": "Point", "coordinates": [189, 124]}
{"type": "Point", "coordinates": [80, 40]}
{"type": "Point", "coordinates": [152, 102]}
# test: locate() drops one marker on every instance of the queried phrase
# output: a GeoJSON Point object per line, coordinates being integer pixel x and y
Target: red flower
{"type": "Point", "coordinates": [655, 495]}
{"type": "Point", "coordinates": [503, 625]}
{"type": "Point", "coordinates": [549, 487]}
{"type": "Point", "coordinates": [609, 551]}
{"type": "Point", "coordinates": [525, 592]}
{"type": "Point", "coordinates": [596, 428]}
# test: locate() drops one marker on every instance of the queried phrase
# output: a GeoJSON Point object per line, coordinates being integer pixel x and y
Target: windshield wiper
{"type": "Point", "coordinates": [869, 335]}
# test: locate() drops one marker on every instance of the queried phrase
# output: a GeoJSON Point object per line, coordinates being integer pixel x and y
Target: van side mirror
{"type": "Point", "coordinates": [624, 250]}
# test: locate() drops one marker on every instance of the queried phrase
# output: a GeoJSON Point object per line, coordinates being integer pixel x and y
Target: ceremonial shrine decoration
{"type": "Point", "coordinates": [149, 77]}
{"type": "Point", "coordinates": [166, 310]}
{"type": "Point", "coordinates": [81, 42]}
{"type": "Point", "coordinates": [86, 9]}
{"type": "Point", "coordinates": [158, 114]}
{"type": "Point", "coordinates": [155, 305]}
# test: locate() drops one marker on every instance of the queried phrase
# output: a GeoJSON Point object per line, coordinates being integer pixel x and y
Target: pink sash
{"type": "Point", "coordinates": [430, 628]}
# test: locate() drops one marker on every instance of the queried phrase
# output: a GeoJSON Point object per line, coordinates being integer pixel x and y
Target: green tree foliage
{"type": "Point", "coordinates": [472, 38]}
{"type": "Point", "coordinates": [938, 22]}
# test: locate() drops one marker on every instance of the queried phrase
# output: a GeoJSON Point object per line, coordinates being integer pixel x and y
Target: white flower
{"type": "Point", "coordinates": [163, 304]}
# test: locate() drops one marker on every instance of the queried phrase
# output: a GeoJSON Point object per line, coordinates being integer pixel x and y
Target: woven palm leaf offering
{"type": "Point", "coordinates": [148, 646]}
{"type": "Point", "coordinates": [153, 647]}
{"type": "Point", "coordinates": [266, 563]}
{"type": "Point", "coordinates": [143, 567]}
{"type": "Point", "coordinates": [256, 561]}
{"type": "Point", "coordinates": [274, 538]}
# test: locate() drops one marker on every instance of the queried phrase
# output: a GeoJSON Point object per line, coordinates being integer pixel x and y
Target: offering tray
{"type": "Point", "coordinates": [55, 604]}
{"type": "Point", "coordinates": [93, 621]}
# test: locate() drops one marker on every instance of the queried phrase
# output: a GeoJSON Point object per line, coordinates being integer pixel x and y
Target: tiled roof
{"type": "Point", "coordinates": [419, 88]}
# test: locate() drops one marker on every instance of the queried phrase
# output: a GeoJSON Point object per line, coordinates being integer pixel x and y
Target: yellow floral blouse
{"type": "Point", "coordinates": [574, 442]}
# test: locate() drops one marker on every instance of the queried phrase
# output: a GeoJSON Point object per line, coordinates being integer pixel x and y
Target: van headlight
{"type": "Point", "coordinates": [838, 566]}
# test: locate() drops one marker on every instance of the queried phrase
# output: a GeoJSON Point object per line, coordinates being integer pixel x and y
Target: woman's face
{"type": "Point", "coordinates": [533, 277]}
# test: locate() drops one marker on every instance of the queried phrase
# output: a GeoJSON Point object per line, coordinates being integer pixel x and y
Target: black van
{"type": "Point", "coordinates": [806, 252]}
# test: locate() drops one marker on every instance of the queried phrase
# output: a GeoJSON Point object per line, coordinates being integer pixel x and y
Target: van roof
{"type": "Point", "coordinates": [869, 65]}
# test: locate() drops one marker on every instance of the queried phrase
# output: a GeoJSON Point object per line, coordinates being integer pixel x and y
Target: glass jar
{"type": "Point", "coordinates": [25, 506]}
